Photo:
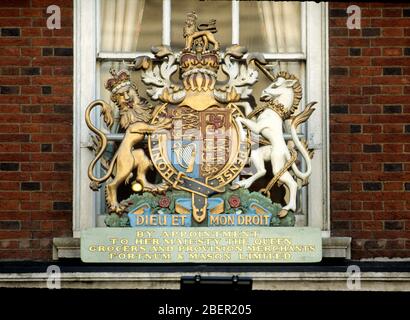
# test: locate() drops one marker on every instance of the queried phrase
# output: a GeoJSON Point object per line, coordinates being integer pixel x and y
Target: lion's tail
{"type": "Point", "coordinates": [296, 121]}
{"type": "Point", "coordinates": [107, 112]}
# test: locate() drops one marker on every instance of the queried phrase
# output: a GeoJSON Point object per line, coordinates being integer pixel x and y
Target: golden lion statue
{"type": "Point", "coordinates": [204, 32]}
{"type": "Point", "coordinates": [135, 113]}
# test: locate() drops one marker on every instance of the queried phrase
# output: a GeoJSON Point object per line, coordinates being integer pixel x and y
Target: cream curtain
{"type": "Point", "coordinates": [121, 24]}
{"type": "Point", "coordinates": [280, 23]}
{"type": "Point", "coordinates": [281, 29]}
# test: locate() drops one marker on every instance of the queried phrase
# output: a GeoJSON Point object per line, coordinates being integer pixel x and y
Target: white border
{"type": "Point", "coordinates": [317, 89]}
{"type": "Point", "coordinates": [84, 92]}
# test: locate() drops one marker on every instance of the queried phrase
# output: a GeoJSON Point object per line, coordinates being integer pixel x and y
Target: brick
{"type": "Point", "coordinates": [9, 225]}
{"type": "Point", "coordinates": [338, 13]}
{"type": "Point", "coordinates": [47, 52]}
{"type": "Point", "coordinates": [374, 244]}
{"type": "Point", "coordinates": [61, 206]}
{"type": "Point", "coordinates": [63, 51]}
{"type": "Point", "coordinates": [371, 90]}
{"type": "Point", "coordinates": [371, 148]}
{"type": "Point", "coordinates": [355, 128]}
{"type": "Point", "coordinates": [396, 12]}
{"type": "Point", "coordinates": [9, 90]}
{"type": "Point", "coordinates": [392, 51]}
{"type": "Point", "coordinates": [372, 186]}
{"type": "Point", "coordinates": [393, 225]}
{"type": "Point", "coordinates": [29, 71]}
{"type": "Point", "coordinates": [339, 109]}
{"type": "Point", "coordinates": [9, 166]}
{"type": "Point", "coordinates": [30, 186]}
{"type": "Point", "coordinates": [395, 244]}
{"type": "Point", "coordinates": [392, 128]}
{"type": "Point", "coordinates": [355, 51]}
{"type": "Point", "coordinates": [407, 51]}
{"type": "Point", "coordinates": [46, 90]}
{"type": "Point", "coordinates": [390, 71]}
{"type": "Point", "coordinates": [338, 71]}
{"type": "Point", "coordinates": [393, 167]}
{"type": "Point", "coordinates": [392, 32]}
{"type": "Point", "coordinates": [63, 167]}
{"type": "Point", "coordinates": [392, 109]}
{"type": "Point", "coordinates": [46, 147]}
{"type": "Point", "coordinates": [340, 225]}
{"type": "Point", "coordinates": [10, 32]}
{"type": "Point", "coordinates": [370, 32]}
{"type": "Point", "coordinates": [340, 186]}
{"type": "Point", "coordinates": [14, 137]}
{"type": "Point", "coordinates": [62, 109]}
{"type": "Point", "coordinates": [340, 167]}
{"type": "Point", "coordinates": [338, 32]}
{"type": "Point", "coordinates": [406, 12]}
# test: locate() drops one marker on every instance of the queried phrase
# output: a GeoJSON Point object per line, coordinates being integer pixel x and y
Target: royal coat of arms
{"type": "Point", "coordinates": [197, 130]}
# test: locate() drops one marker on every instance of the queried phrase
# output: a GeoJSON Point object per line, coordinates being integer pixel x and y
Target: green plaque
{"type": "Point", "coordinates": [201, 245]}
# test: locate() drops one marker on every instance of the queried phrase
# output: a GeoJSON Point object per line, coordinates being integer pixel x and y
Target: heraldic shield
{"type": "Point", "coordinates": [201, 154]}
{"type": "Point", "coordinates": [197, 128]}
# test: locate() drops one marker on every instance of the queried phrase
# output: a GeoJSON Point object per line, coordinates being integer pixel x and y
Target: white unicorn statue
{"type": "Point", "coordinates": [281, 100]}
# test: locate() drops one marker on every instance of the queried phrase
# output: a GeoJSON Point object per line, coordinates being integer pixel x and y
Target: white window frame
{"type": "Point", "coordinates": [314, 18]}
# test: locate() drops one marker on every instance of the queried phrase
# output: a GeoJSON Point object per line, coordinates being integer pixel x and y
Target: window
{"type": "Point", "coordinates": [108, 31]}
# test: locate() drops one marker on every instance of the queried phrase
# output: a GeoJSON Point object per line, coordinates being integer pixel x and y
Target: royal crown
{"type": "Point", "coordinates": [190, 61]}
{"type": "Point", "coordinates": [119, 80]}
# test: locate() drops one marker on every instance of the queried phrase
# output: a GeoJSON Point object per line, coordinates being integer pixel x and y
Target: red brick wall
{"type": "Point", "coordinates": [36, 67]}
{"type": "Point", "coordinates": [370, 129]}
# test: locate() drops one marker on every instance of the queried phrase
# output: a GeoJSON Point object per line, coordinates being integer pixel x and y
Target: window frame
{"type": "Point", "coordinates": [86, 76]}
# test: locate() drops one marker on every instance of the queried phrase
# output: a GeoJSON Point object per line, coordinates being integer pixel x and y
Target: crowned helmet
{"type": "Point", "coordinates": [119, 80]}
